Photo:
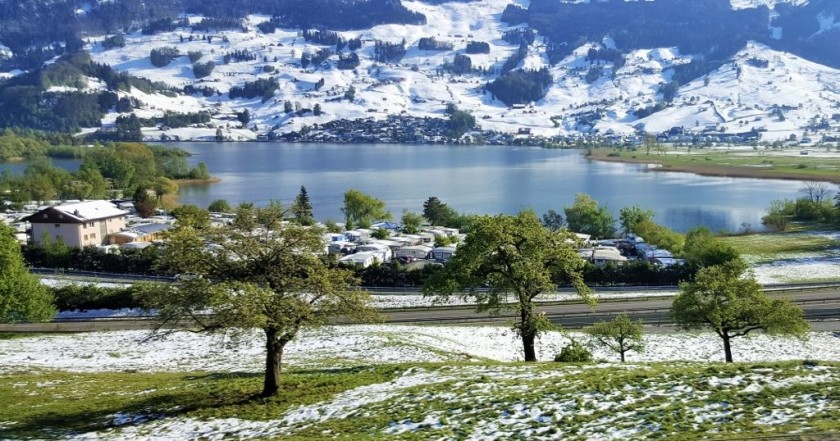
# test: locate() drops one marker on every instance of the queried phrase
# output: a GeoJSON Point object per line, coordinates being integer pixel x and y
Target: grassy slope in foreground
{"type": "Point", "coordinates": [442, 401]}
{"type": "Point", "coordinates": [740, 163]}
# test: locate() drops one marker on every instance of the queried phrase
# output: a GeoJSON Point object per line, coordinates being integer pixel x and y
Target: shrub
{"type": "Point", "coordinates": [86, 297]}
{"type": "Point", "coordinates": [574, 352]}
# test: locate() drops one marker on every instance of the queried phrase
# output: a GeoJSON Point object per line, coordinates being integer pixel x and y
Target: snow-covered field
{"type": "Point", "coordinates": [363, 344]}
{"type": "Point", "coordinates": [478, 401]}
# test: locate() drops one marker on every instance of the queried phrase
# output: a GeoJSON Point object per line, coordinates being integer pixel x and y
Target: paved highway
{"type": "Point", "coordinates": [821, 307]}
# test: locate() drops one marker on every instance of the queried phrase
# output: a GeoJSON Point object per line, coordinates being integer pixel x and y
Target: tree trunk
{"type": "Point", "coordinates": [622, 355]}
{"type": "Point", "coordinates": [727, 349]}
{"type": "Point", "coordinates": [273, 359]}
{"type": "Point", "coordinates": [529, 335]}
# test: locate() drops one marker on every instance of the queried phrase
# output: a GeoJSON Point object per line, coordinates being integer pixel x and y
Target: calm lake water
{"type": "Point", "coordinates": [486, 180]}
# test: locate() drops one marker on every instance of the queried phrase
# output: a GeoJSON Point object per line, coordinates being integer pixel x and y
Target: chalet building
{"type": "Point", "coordinates": [77, 224]}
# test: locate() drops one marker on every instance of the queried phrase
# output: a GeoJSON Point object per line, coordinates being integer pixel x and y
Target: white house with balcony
{"type": "Point", "coordinates": [77, 224]}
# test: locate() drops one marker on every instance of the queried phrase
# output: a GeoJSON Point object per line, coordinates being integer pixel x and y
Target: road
{"type": "Point", "coordinates": [822, 309]}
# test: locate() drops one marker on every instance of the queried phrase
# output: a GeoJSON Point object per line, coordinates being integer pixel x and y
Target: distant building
{"type": "Point", "coordinates": [78, 224]}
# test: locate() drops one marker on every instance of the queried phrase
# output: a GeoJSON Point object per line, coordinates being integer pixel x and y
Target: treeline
{"type": "Point", "coordinates": [609, 55]}
{"type": "Point", "coordinates": [386, 52]}
{"type": "Point", "coordinates": [26, 102]}
{"type": "Point", "coordinates": [431, 44]}
{"type": "Point", "coordinates": [262, 87]}
{"type": "Point", "coordinates": [218, 24]}
{"type": "Point", "coordinates": [120, 167]}
{"type": "Point", "coordinates": [315, 59]}
{"type": "Point", "coordinates": [520, 86]}
{"type": "Point", "coordinates": [161, 57]}
{"type": "Point", "coordinates": [478, 47]}
{"type": "Point", "coordinates": [348, 61]}
{"type": "Point", "coordinates": [23, 30]}
{"type": "Point", "coordinates": [337, 14]}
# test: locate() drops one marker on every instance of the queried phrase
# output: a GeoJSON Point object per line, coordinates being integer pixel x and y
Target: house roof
{"type": "Point", "coordinates": [82, 211]}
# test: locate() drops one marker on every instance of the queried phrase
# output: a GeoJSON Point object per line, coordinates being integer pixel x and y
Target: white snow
{"type": "Point", "coordinates": [736, 103]}
{"type": "Point", "coordinates": [124, 350]}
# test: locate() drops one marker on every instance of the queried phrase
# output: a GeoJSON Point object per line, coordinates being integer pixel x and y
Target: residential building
{"type": "Point", "coordinates": [78, 224]}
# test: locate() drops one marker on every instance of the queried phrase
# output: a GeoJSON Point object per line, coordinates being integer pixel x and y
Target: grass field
{"type": "Point", "coordinates": [483, 400]}
{"type": "Point", "coordinates": [764, 247]}
{"type": "Point", "coordinates": [737, 163]}
{"type": "Point", "coordinates": [413, 383]}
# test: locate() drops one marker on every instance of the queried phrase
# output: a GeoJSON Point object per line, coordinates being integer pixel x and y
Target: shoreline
{"type": "Point", "coordinates": [189, 182]}
{"type": "Point", "coordinates": [717, 170]}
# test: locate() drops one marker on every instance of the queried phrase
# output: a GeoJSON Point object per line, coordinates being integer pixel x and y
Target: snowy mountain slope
{"type": "Point", "coordinates": [417, 86]}
{"type": "Point", "coordinates": [740, 96]}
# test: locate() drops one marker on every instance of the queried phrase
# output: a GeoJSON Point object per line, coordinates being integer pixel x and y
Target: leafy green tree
{"type": "Point", "coordinates": [660, 236]}
{"type": "Point", "coordinates": [22, 296]}
{"type": "Point", "coordinates": [703, 249]}
{"type": "Point", "coordinates": [332, 227]}
{"type": "Point", "coordinates": [302, 208]}
{"type": "Point", "coordinates": [621, 335]}
{"type": "Point", "coordinates": [629, 217]}
{"type": "Point", "coordinates": [732, 304]}
{"type": "Point", "coordinates": [362, 209]}
{"type": "Point", "coordinates": [553, 220]}
{"type": "Point", "coordinates": [380, 233]}
{"type": "Point", "coordinates": [164, 186]}
{"type": "Point", "coordinates": [574, 352]}
{"type": "Point", "coordinates": [97, 185]}
{"type": "Point", "coordinates": [585, 216]}
{"type": "Point", "coordinates": [779, 215]}
{"type": "Point", "coordinates": [259, 272]}
{"type": "Point", "coordinates": [199, 171]}
{"type": "Point", "coordinates": [220, 206]}
{"type": "Point", "coordinates": [143, 203]}
{"type": "Point", "coordinates": [411, 222]}
{"type": "Point", "coordinates": [512, 256]}
{"type": "Point", "coordinates": [192, 216]}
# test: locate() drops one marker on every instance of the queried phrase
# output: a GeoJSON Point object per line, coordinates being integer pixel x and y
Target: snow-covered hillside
{"type": "Point", "coordinates": [780, 98]}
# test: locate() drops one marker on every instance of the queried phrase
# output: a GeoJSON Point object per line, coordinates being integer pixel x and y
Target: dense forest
{"type": "Point", "coordinates": [22, 27]}
{"type": "Point", "coordinates": [709, 27]}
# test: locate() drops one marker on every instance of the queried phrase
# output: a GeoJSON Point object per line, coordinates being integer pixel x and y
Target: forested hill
{"type": "Point", "coordinates": [695, 26]}
{"type": "Point", "coordinates": [221, 69]}
{"type": "Point", "coordinates": [23, 30]}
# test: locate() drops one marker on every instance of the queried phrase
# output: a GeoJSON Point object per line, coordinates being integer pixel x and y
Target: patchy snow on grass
{"type": "Point", "coordinates": [496, 402]}
{"type": "Point", "coordinates": [414, 300]}
{"type": "Point", "coordinates": [364, 344]}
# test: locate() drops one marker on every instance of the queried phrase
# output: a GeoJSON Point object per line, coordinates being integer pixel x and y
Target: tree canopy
{"type": "Point", "coordinates": [511, 256]}
{"type": "Point", "coordinates": [585, 216]}
{"type": "Point", "coordinates": [258, 272]}
{"type": "Point", "coordinates": [629, 217]}
{"type": "Point", "coordinates": [620, 335]}
{"type": "Point", "coordinates": [361, 209]}
{"type": "Point", "coordinates": [732, 304]}
{"type": "Point", "coordinates": [22, 296]}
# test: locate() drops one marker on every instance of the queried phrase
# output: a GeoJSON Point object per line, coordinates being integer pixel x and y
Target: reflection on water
{"type": "Point", "coordinates": [474, 180]}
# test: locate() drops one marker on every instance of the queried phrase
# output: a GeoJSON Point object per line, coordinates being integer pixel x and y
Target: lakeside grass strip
{"type": "Point", "coordinates": [739, 164]}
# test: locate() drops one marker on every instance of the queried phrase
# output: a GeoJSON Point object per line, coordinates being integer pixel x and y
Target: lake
{"type": "Point", "coordinates": [487, 179]}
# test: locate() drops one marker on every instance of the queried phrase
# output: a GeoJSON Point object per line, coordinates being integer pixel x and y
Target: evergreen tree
{"type": "Point", "coordinates": [302, 208]}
